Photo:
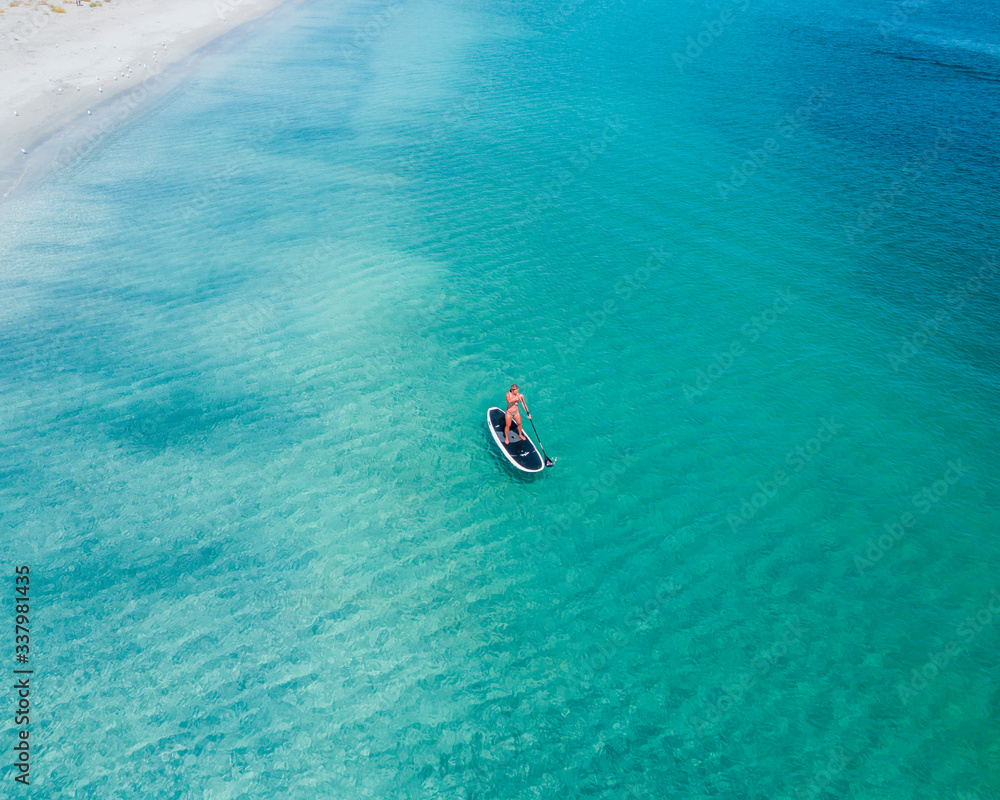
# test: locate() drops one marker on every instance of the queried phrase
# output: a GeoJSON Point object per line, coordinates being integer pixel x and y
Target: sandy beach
{"type": "Point", "coordinates": [61, 59]}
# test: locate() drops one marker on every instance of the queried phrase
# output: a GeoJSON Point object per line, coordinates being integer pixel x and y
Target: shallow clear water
{"type": "Point", "coordinates": [249, 339]}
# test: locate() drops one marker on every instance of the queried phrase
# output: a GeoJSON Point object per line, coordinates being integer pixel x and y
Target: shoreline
{"type": "Point", "coordinates": [91, 62]}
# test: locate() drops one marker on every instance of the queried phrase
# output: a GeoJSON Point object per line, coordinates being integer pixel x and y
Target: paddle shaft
{"type": "Point", "coordinates": [548, 461]}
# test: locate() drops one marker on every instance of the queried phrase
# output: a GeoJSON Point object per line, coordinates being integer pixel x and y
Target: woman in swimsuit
{"type": "Point", "coordinates": [513, 398]}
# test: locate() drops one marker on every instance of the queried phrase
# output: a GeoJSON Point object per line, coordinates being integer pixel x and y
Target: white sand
{"type": "Point", "coordinates": [55, 66]}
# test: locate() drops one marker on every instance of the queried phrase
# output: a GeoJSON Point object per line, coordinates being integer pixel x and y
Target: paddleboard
{"type": "Point", "coordinates": [521, 452]}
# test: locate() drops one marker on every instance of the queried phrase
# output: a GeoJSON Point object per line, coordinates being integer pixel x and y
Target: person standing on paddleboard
{"type": "Point", "coordinates": [514, 397]}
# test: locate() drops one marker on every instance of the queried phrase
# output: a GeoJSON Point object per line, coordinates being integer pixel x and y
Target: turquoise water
{"type": "Point", "coordinates": [748, 284]}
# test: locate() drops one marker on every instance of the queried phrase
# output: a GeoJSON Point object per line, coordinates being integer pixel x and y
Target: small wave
{"type": "Point", "coordinates": [965, 69]}
{"type": "Point", "coordinates": [961, 55]}
{"type": "Point", "coordinates": [985, 48]}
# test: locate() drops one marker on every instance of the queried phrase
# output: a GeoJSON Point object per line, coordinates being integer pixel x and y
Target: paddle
{"type": "Point", "coordinates": [549, 462]}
